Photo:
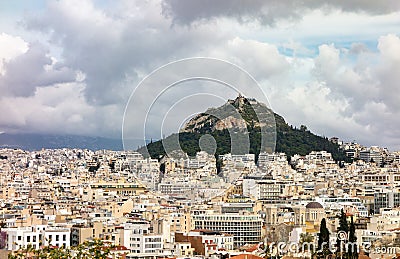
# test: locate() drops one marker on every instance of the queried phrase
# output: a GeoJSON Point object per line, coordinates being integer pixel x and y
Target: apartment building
{"type": "Point", "coordinates": [138, 238]}
{"type": "Point", "coordinates": [386, 199]}
{"type": "Point", "coordinates": [245, 228]}
{"type": "Point", "coordinates": [37, 236]}
{"type": "Point", "coordinates": [206, 242]}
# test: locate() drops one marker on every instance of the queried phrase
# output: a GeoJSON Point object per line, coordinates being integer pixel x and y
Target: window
{"type": "Point", "coordinates": [19, 238]}
{"type": "Point", "coordinates": [57, 237]}
{"type": "Point", "coordinates": [28, 239]}
{"type": "Point", "coordinates": [64, 237]}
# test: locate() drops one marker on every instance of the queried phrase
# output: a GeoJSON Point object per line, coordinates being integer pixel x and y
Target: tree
{"type": "Point", "coordinates": [342, 233]}
{"type": "Point", "coordinates": [343, 224]}
{"type": "Point", "coordinates": [353, 253]}
{"type": "Point", "coordinates": [306, 241]}
{"type": "Point", "coordinates": [219, 164]}
{"type": "Point", "coordinates": [95, 249]}
{"type": "Point", "coordinates": [303, 128]}
{"type": "Point", "coordinates": [323, 239]}
{"type": "Point", "coordinates": [162, 168]}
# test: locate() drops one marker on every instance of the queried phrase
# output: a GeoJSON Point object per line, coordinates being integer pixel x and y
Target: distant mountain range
{"type": "Point", "coordinates": [38, 141]}
{"type": "Point", "coordinates": [247, 118]}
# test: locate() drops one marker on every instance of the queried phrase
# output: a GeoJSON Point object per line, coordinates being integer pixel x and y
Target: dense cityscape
{"type": "Point", "coordinates": [186, 208]}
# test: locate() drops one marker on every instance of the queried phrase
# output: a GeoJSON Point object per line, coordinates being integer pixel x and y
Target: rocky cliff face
{"type": "Point", "coordinates": [238, 114]}
{"type": "Point", "coordinates": [230, 122]}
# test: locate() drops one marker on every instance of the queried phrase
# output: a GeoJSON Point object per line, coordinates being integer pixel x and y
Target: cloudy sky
{"type": "Point", "coordinates": [70, 66]}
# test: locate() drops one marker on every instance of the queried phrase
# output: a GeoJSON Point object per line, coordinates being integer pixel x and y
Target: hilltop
{"type": "Point", "coordinates": [246, 117]}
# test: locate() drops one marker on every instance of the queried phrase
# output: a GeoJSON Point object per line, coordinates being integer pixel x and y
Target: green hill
{"type": "Point", "coordinates": [245, 118]}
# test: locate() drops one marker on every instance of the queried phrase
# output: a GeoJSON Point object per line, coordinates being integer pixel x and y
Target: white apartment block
{"type": "Point", "coordinates": [263, 189]}
{"type": "Point", "coordinates": [245, 229]}
{"type": "Point", "coordinates": [349, 204]}
{"type": "Point", "coordinates": [380, 176]}
{"type": "Point", "coordinates": [265, 158]}
{"type": "Point", "coordinates": [138, 239]}
{"type": "Point", "coordinates": [177, 187]}
{"type": "Point", "coordinates": [36, 236]}
{"type": "Point", "coordinates": [371, 155]}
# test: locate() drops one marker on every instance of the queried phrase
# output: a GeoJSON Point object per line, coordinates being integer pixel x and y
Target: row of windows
{"type": "Point", "coordinates": [230, 223]}
{"type": "Point", "coordinates": [33, 238]}
{"type": "Point", "coordinates": [139, 231]}
{"type": "Point", "coordinates": [230, 228]}
{"type": "Point", "coordinates": [236, 231]}
{"type": "Point", "coordinates": [57, 237]}
{"type": "Point", "coordinates": [153, 246]}
{"type": "Point", "coordinates": [266, 188]}
{"type": "Point", "coordinates": [28, 238]}
{"type": "Point", "coordinates": [228, 218]}
{"type": "Point", "coordinates": [156, 239]}
{"type": "Point", "coordinates": [375, 178]}
{"type": "Point", "coordinates": [114, 186]}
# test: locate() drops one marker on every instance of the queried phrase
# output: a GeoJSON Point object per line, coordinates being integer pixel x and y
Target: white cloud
{"type": "Point", "coordinates": [10, 47]}
{"type": "Point", "coordinates": [361, 91]}
{"type": "Point", "coordinates": [387, 71]}
{"type": "Point", "coordinates": [262, 60]}
{"type": "Point", "coordinates": [59, 109]}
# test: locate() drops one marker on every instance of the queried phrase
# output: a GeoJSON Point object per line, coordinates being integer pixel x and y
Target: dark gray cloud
{"type": "Point", "coordinates": [111, 47]}
{"type": "Point", "coordinates": [266, 11]}
{"type": "Point", "coordinates": [26, 72]}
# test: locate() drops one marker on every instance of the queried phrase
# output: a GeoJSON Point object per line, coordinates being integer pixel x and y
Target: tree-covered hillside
{"type": "Point", "coordinates": [289, 139]}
